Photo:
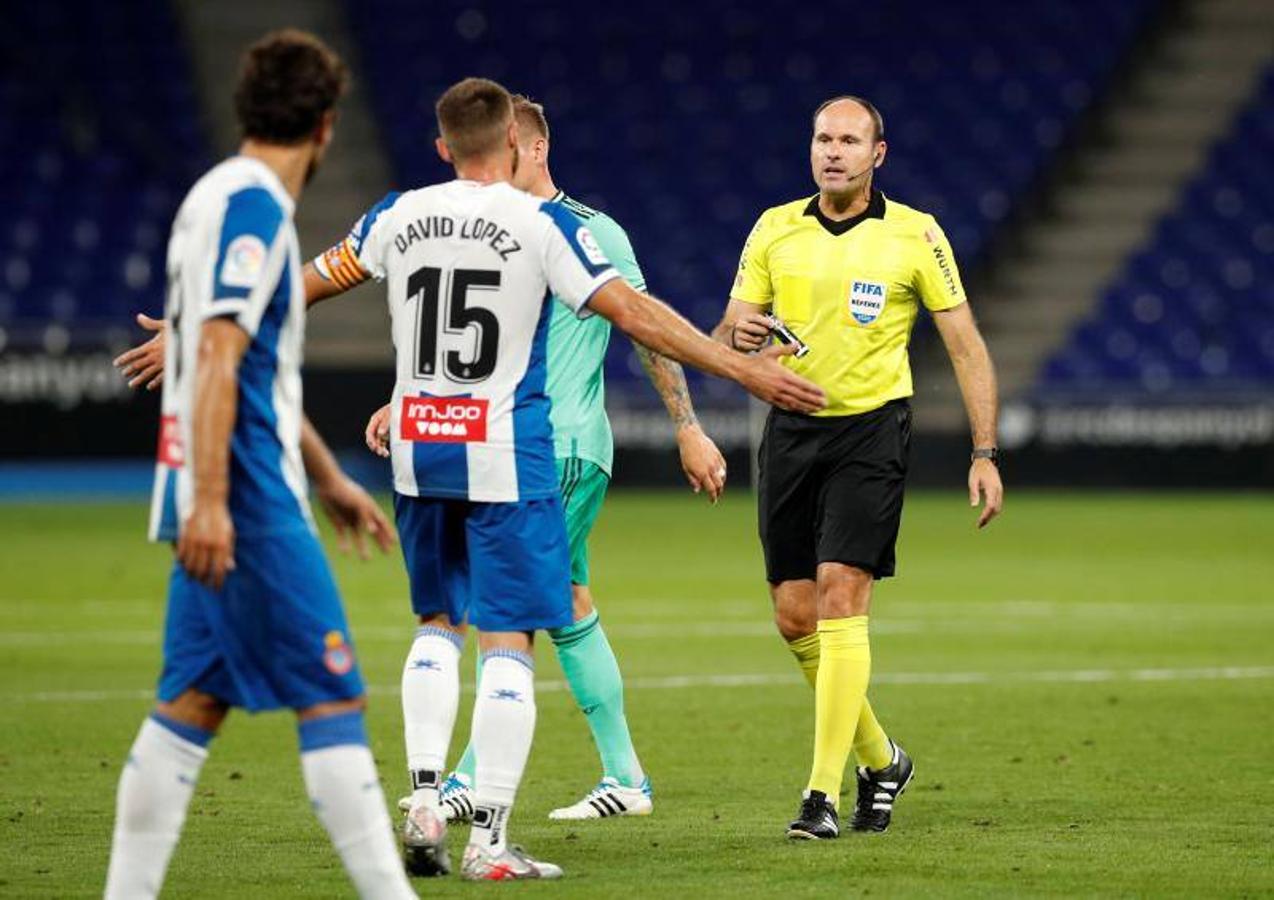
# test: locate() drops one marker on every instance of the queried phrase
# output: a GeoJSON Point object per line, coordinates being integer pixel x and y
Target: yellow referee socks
{"type": "Point", "coordinates": [843, 672]}
{"type": "Point", "coordinates": [871, 744]}
{"type": "Point", "coordinates": [805, 649]}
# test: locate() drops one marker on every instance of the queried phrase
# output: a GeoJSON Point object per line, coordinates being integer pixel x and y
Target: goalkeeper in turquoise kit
{"type": "Point", "coordinates": [584, 450]}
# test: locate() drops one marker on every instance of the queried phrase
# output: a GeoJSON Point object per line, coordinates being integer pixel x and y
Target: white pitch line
{"type": "Point", "coordinates": [772, 679]}
{"type": "Point", "coordinates": [748, 607]}
{"type": "Point", "coordinates": [403, 633]}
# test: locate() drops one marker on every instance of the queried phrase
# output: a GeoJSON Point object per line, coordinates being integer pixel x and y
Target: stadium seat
{"type": "Point", "coordinates": [92, 162]}
{"type": "Point", "coordinates": [1199, 297]}
{"type": "Point", "coordinates": [686, 141]}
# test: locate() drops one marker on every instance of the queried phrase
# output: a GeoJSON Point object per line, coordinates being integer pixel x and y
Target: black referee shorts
{"type": "Point", "coordinates": [831, 490]}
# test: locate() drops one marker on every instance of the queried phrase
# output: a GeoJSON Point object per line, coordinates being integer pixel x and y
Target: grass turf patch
{"type": "Point", "coordinates": [1060, 679]}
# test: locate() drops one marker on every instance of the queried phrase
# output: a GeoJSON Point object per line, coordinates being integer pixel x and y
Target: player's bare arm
{"type": "Point", "coordinates": [205, 548]}
{"type": "Point", "coordinates": [975, 374]}
{"type": "Point", "coordinates": [318, 287]}
{"type": "Point", "coordinates": [743, 327]}
{"type": "Point", "coordinates": [657, 325]}
{"type": "Point", "coordinates": [701, 461]}
{"type": "Point", "coordinates": [143, 365]}
{"type": "Point", "coordinates": [351, 510]}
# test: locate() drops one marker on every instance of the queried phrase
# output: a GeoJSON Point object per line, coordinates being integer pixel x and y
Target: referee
{"type": "Point", "coordinates": [847, 271]}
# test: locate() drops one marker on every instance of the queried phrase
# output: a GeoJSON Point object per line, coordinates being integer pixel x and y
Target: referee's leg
{"type": "Point", "coordinates": [790, 484]}
{"type": "Point", "coordinates": [796, 618]}
{"type": "Point", "coordinates": [843, 596]}
{"type": "Point", "coordinates": [861, 508]}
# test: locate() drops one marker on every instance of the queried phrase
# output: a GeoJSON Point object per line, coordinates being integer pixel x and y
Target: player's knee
{"type": "Point", "coordinates": [195, 708]}
{"type": "Point", "coordinates": [332, 708]}
{"type": "Point", "coordinates": [793, 622]}
{"type": "Point", "coordinates": [843, 590]}
{"type": "Point", "coordinates": [442, 620]}
{"type": "Point", "coordinates": [581, 601]}
{"type": "Point", "coordinates": [795, 612]}
{"type": "Point", "coordinates": [505, 640]}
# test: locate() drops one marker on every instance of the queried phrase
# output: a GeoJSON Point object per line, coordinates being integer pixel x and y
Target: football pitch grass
{"type": "Point", "coordinates": [1087, 689]}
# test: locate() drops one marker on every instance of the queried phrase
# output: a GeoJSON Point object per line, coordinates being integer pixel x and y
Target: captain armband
{"type": "Point", "coordinates": [339, 264]}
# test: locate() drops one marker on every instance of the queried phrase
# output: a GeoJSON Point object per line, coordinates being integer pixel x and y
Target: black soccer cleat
{"type": "Point", "coordinates": [816, 821]}
{"type": "Point", "coordinates": [879, 789]}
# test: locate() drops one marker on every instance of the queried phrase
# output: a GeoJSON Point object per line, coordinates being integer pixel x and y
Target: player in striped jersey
{"type": "Point", "coordinates": [584, 451]}
{"type": "Point", "coordinates": [254, 619]}
{"type": "Point", "coordinates": [471, 265]}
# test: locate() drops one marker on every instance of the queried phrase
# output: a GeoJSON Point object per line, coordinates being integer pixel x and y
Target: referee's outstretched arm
{"type": "Point", "coordinates": [976, 376]}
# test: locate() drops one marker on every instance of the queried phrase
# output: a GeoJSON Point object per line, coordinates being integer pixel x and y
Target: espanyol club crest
{"type": "Point", "coordinates": [338, 656]}
{"type": "Point", "coordinates": [866, 301]}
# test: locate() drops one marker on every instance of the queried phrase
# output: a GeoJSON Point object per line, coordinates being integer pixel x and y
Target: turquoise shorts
{"type": "Point", "coordinates": [583, 486]}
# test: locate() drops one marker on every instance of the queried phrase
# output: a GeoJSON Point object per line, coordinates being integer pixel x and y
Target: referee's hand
{"type": "Point", "coordinates": [750, 332]}
{"type": "Point", "coordinates": [766, 378]}
{"type": "Point", "coordinates": [984, 481]}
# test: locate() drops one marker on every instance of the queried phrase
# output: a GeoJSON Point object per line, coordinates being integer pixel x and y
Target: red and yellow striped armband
{"type": "Point", "coordinates": [339, 264]}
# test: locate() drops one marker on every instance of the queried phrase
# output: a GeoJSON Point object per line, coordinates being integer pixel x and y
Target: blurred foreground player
{"type": "Point", "coordinates": [472, 266]}
{"type": "Point", "coordinates": [584, 450]}
{"type": "Point", "coordinates": [848, 270]}
{"type": "Point", "coordinates": [254, 619]}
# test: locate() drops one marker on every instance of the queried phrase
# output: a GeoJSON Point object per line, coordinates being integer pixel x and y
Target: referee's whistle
{"type": "Point", "coordinates": [785, 335]}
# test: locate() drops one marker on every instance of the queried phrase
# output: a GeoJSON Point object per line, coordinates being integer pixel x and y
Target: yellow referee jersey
{"type": "Point", "coordinates": [851, 291]}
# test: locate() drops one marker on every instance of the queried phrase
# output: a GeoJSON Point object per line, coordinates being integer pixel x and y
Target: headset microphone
{"type": "Point", "coordinates": [874, 160]}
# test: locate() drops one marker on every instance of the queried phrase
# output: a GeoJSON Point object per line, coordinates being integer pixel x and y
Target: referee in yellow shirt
{"type": "Point", "coordinates": [847, 271]}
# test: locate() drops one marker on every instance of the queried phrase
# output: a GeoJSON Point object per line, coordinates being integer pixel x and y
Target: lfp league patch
{"type": "Point", "coordinates": [245, 261]}
{"type": "Point", "coordinates": [867, 301]}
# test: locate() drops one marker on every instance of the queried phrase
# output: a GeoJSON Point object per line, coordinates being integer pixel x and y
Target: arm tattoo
{"type": "Point", "coordinates": [669, 380]}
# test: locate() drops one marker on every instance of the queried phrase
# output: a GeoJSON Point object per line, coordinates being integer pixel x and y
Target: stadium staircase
{"type": "Point", "coordinates": [355, 174]}
{"type": "Point", "coordinates": [1124, 173]}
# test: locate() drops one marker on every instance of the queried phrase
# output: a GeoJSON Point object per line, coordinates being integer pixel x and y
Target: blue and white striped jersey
{"type": "Point", "coordinates": [471, 269]}
{"type": "Point", "coordinates": [233, 252]}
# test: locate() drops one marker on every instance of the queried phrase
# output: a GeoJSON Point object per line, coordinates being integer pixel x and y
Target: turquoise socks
{"type": "Point", "coordinates": [598, 689]}
{"type": "Point", "coordinates": [469, 762]}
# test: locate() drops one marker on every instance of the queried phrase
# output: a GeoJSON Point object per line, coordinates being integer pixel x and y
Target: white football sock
{"type": "Point", "coordinates": [340, 778]}
{"type": "Point", "coordinates": [150, 807]}
{"type": "Point", "coordinates": [431, 695]}
{"type": "Point", "coordinates": [503, 725]}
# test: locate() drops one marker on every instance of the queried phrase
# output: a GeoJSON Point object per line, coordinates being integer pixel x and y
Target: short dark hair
{"type": "Point", "coordinates": [527, 110]}
{"type": "Point", "coordinates": [288, 81]}
{"type": "Point", "coordinates": [877, 120]}
{"type": "Point", "coordinates": [473, 115]}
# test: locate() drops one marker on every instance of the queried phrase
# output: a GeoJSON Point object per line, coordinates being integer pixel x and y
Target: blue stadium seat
{"type": "Point", "coordinates": [94, 157]}
{"type": "Point", "coordinates": [686, 123]}
{"type": "Point", "coordinates": [1202, 289]}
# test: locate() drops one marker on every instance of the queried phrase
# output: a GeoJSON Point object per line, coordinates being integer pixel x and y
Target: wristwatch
{"type": "Point", "coordinates": [991, 453]}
